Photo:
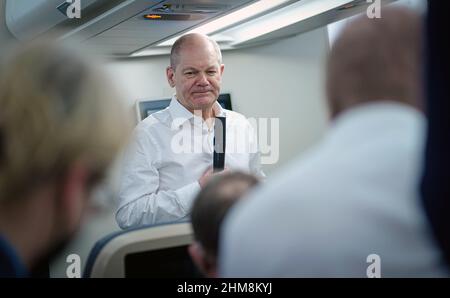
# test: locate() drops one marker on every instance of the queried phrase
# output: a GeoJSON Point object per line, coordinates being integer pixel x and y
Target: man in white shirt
{"type": "Point", "coordinates": [171, 155]}
{"type": "Point", "coordinates": [349, 208]}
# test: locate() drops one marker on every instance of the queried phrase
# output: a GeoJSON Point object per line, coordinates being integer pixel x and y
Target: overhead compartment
{"type": "Point", "coordinates": [27, 19]}
{"type": "Point", "coordinates": [266, 21]}
{"type": "Point", "coordinates": [114, 27]}
{"type": "Point", "coordinates": [149, 27]}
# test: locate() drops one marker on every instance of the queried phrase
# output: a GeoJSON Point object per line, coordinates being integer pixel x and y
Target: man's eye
{"type": "Point", "coordinates": [212, 72]}
{"type": "Point", "coordinates": [189, 73]}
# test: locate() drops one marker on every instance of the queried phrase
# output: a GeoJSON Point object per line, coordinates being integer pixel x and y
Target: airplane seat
{"type": "Point", "coordinates": [148, 251]}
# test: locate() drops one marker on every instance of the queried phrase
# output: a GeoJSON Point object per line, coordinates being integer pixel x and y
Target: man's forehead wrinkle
{"type": "Point", "coordinates": [193, 67]}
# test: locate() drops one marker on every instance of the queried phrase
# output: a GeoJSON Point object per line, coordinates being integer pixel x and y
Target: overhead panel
{"type": "Point", "coordinates": [157, 23]}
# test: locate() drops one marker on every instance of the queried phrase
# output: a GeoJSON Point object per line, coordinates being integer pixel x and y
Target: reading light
{"type": "Point", "coordinates": [152, 16]}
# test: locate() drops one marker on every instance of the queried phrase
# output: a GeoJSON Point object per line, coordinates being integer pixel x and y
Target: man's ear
{"type": "Point", "coordinates": [222, 68]}
{"type": "Point", "coordinates": [198, 256]}
{"type": "Point", "coordinates": [170, 76]}
{"type": "Point", "coordinates": [200, 259]}
{"type": "Point", "coordinates": [74, 192]}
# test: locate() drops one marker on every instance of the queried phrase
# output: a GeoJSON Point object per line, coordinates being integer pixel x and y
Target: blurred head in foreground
{"type": "Point", "coordinates": [61, 126]}
{"type": "Point", "coordinates": [208, 212]}
{"type": "Point", "coordinates": [376, 60]}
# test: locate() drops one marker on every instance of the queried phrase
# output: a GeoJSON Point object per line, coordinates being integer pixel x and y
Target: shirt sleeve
{"type": "Point", "coordinates": [140, 200]}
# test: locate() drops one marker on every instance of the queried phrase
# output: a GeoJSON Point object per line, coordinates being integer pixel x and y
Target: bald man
{"type": "Point", "coordinates": [171, 157]}
{"type": "Point", "coordinates": [350, 207]}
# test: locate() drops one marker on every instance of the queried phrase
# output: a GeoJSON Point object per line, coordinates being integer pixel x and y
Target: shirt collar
{"type": "Point", "coordinates": [178, 111]}
{"type": "Point", "coordinates": [373, 111]}
{"type": "Point", "coordinates": [218, 110]}
{"type": "Point", "coordinates": [371, 117]}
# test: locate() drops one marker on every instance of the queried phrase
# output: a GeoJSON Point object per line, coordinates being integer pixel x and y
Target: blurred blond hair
{"type": "Point", "coordinates": [56, 107]}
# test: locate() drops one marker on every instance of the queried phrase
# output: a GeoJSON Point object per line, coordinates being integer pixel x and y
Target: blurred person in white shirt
{"type": "Point", "coordinates": [353, 199]}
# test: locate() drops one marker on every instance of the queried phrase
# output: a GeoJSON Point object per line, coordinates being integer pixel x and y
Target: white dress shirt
{"type": "Point", "coordinates": [170, 151]}
{"type": "Point", "coordinates": [354, 195]}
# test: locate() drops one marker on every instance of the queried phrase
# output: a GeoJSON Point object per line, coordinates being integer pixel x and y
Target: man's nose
{"type": "Point", "coordinates": [202, 80]}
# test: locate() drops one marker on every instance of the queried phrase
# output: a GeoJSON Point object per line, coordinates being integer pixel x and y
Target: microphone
{"type": "Point", "coordinates": [219, 144]}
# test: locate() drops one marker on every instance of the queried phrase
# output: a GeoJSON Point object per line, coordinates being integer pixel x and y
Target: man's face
{"type": "Point", "coordinates": [197, 76]}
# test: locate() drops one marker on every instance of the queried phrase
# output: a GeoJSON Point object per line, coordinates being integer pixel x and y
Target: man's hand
{"type": "Point", "coordinates": [209, 173]}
